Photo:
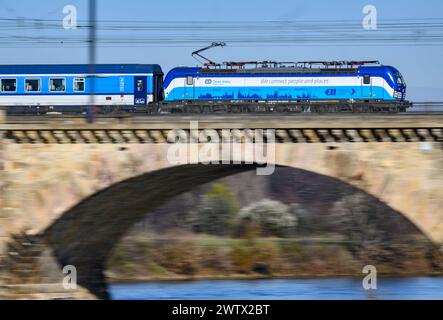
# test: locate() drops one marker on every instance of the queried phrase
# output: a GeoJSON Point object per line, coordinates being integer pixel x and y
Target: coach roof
{"type": "Point", "coordinates": [80, 69]}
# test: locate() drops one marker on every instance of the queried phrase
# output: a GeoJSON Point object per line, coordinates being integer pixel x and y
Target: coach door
{"type": "Point", "coordinates": [140, 91]}
{"type": "Point", "coordinates": [189, 88]}
{"type": "Point", "coordinates": [366, 87]}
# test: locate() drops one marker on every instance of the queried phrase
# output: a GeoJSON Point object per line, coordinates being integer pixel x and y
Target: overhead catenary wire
{"type": "Point", "coordinates": [117, 33]}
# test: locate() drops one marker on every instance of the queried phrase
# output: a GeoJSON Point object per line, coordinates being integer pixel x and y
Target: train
{"type": "Point", "coordinates": [335, 86]}
{"type": "Point", "coordinates": [308, 86]}
{"type": "Point", "coordinates": [71, 88]}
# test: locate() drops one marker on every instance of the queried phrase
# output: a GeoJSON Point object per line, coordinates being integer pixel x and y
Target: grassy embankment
{"type": "Point", "coordinates": [208, 257]}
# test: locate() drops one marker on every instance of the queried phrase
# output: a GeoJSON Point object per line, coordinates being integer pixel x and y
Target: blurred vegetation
{"type": "Point", "coordinates": [238, 228]}
{"type": "Point", "coordinates": [216, 211]}
{"type": "Point", "coordinates": [271, 218]}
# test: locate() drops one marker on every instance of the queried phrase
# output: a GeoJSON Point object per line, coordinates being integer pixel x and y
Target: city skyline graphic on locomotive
{"type": "Point", "coordinates": [313, 86]}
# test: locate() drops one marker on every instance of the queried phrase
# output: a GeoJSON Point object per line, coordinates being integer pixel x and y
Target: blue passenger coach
{"type": "Point", "coordinates": [69, 87]}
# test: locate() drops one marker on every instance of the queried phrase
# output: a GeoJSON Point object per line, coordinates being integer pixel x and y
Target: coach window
{"type": "Point", "coordinates": [366, 80]}
{"type": "Point", "coordinates": [9, 85]}
{"type": "Point", "coordinates": [57, 85]}
{"type": "Point", "coordinates": [32, 85]}
{"type": "Point", "coordinates": [189, 80]}
{"type": "Point", "coordinates": [79, 84]}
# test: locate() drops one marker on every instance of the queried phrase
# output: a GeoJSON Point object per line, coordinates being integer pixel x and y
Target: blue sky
{"type": "Point", "coordinates": [421, 66]}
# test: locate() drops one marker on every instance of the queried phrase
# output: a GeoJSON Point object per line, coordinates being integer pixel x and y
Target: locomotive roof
{"type": "Point", "coordinates": [79, 68]}
{"type": "Point", "coordinates": [280, 70]}
{"type": "Point", "coordinates": [195, 71]}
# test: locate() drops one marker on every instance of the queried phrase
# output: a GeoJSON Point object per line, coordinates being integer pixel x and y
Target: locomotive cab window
{"type": "Point", "coordinates": [9, 85]}
{"type": "Point", "coordinates": [79, 84]}
{"type": "Point", "coordinates": [189, 80]}
{"type": "Point", "coordinates": [399, 78]}
{"type": "Point", "coordinates": [32, 85]}
{"type": "Point", "coordinates": [366, 80]}
{"type": "Point", "coordinates": [57, 85]}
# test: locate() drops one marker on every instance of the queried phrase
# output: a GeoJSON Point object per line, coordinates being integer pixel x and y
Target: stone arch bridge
{"type": "Point", "coordinates": [70, 191]}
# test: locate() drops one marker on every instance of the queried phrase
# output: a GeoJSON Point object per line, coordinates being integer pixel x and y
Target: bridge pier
{"type": "Point", "coordinates": [2, 218]}
{"type": "Point", "coordinates": [2, 185]}
{"type": "Point", "coordinates": [30, 271]}
{"type": "Point", "coordinates": [28, 268]}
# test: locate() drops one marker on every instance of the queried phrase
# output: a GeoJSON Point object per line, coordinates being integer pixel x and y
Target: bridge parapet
{"type": "Point", "coordinates": [143, 135]}
{"type": "Point", "coordinates": [288, 129]}
{"type": "Point", "coordinates": [140, 135]}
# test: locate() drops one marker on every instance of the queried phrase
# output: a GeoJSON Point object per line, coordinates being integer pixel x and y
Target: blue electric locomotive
{"type": "Point", "coordinates": [316, 86]}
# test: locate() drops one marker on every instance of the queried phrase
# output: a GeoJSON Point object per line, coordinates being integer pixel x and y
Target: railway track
{"type": "Point", "coordinates": [264, 120]}
{"type": "Point", "coordinates": [431, 111]}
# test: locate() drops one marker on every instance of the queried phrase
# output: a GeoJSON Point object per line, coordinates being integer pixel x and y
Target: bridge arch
{"type": "Point", "coordinates": [83, 235]}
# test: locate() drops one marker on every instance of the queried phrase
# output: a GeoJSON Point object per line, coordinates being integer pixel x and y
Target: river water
{"type": "Point", "coordinates": [282, 289]}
